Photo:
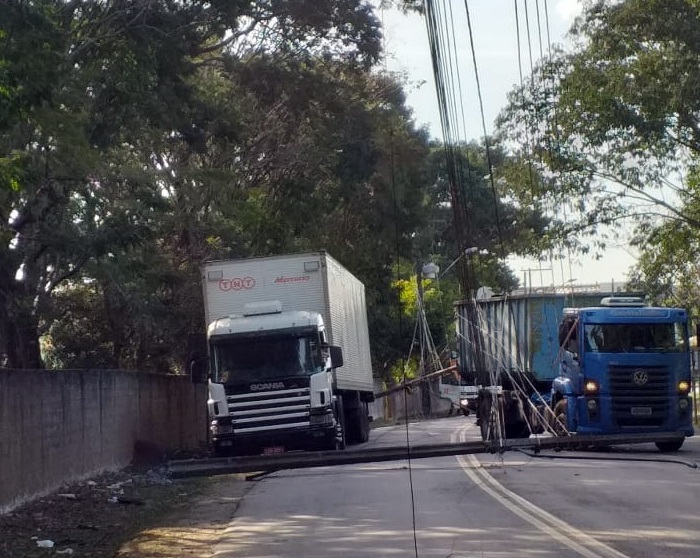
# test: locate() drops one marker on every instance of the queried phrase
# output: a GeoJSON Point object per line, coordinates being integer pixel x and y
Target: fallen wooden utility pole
{"type": "Point", "coordinates": [301, 460]}
{"type": "Point", "coordinates": [408, 384]}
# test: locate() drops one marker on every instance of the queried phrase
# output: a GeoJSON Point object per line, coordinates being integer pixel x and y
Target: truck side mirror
{"type": "Point", "coordinates": [198, 368]}
{"type": "Point", "coordinates": [336, 356]}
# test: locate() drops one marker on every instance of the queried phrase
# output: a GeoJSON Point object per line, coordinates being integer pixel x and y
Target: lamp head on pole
{"type": "Point", "coordinates": [430, 270]}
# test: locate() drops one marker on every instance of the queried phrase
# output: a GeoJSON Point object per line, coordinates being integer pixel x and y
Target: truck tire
{"type": "Point", "coordinates": [519, 429]}
{"type": "Point", "coordinates": [364, 423]}
{"type": "Point", "coordinates": [491, 424]}
{"type": "Point", "coordinates": [489, 430]}
{"type": "Point", "coordinates": [559, 418]}
{"type": "Point", "coordinates": [339, 441]}
{"type": "Point", "coordinates": [357, 420]}
{"type": "Point", "coordinates": [670, 445]}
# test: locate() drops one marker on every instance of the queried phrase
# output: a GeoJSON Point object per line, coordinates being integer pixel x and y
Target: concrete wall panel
{"type": "Point", "coordinates": [62, 425]}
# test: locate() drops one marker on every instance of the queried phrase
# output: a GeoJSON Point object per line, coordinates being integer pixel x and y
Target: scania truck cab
{"type": "Point", "coordinates": [271, 386]}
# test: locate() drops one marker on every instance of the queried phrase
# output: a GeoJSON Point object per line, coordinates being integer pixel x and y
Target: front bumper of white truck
{"type": "Point", "coordinates": [282, 415]}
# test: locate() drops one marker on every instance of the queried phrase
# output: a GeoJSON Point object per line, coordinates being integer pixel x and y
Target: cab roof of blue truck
{"type": "Point", "coordinates": [624, 301]}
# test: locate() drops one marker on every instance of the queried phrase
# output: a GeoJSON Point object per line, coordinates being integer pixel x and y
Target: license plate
{"type": "Point", "coordinates": [273, 450]}
{"type": "Point", "coordinates": [641, 411]}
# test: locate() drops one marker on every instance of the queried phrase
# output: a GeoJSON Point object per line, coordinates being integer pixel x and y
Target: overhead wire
{"type": "Point", "coordinates": [529, 387]}
{"type": "Point", "coordinates": [440, 28]}
{"type": "Point", "coordinates": [444, 75]}
{"type": "Point", "coordinates": [392, 162]}
{"type": "Point", "coordinates": [489, 160]}
{"type": "Point", "coordinates": [555, 128]}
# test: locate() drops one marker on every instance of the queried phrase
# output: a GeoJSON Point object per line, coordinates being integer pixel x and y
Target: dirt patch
{"type": "Point", "coordinates": [125, 514]}
{"type": "Point", "coordinates": [194, 529]}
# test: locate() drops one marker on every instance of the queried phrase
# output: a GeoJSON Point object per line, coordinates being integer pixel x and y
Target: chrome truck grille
{"type": "Point", "coordinates": [266, 411]}
{"type": "Point", "coordinates": [639, 395]}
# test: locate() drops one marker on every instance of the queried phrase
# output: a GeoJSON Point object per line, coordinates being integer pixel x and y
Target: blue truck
{"type": "Point", "coordinates": [584, 363]}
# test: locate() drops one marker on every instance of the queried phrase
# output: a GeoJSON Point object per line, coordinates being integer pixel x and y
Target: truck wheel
{"type": "Point", "coordinates": [357, 422]}
{"type": "Point", "coordinates": [670, 445]}
{"type": "Point", "coordinates": [339, 441]}
{"type": "Point", "coordinates": [537, 421]}
{"type": "Point", "coordinates": [518, 429]}
{"type": "Point", "coordinates": [559, 418]}
{"type": "Point", "coordinates": [491, 426]}
{"type": "Point", "coordinates": [364, 423]}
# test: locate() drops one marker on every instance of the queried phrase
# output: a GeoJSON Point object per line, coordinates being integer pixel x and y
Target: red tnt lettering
{"type": "Point", "coordinates": [236, 284]}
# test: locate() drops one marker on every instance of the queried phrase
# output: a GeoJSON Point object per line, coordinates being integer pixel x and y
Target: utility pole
{"type": "Point", "coordinates": [425, 386]}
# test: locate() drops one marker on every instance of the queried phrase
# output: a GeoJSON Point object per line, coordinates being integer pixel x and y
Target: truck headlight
{"type": "Point", "coordinates": [217, 429]}
{"type": "Point", "coordinates": [683, 387]}
{"type": "Point", "coordinates": [321, 420]}
{"type": "Point", "coordinates": [590, 387]}
{"type": "Point", "coordinates": [683, 404]}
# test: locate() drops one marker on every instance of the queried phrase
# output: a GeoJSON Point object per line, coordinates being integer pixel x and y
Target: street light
{"type": "Point", "coordinates": [431, 270]}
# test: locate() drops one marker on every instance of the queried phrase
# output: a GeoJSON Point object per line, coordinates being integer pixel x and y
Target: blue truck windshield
{"type": "Point", "coordinates": [265, 358]}
{"type": "Point", "coordinates": [634, 337]}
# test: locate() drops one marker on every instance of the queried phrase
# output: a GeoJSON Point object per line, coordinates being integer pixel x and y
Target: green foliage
{"type": "Point", "coordinates": [668, 269]}
{"type": "Point", "coordinates": [138, 140]}
{"type": "Point", "coordinates": [612, 129]}
{"type": "Point", "coordinates": [404, 370]}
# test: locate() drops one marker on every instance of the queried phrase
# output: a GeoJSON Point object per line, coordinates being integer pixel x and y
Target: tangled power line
{"type": "Point", "coordinates": [441, 27]}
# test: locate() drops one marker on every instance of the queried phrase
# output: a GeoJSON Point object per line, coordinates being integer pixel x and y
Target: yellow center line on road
{"type": "Point", "coordinates": [575, 539]}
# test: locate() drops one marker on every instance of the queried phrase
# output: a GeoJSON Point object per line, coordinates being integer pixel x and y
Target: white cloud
{"type": "Point", "coordinates": [568, 9]}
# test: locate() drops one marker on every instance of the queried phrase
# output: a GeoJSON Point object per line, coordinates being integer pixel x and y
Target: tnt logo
{"type": "Point", "coordinates": [236, 284]}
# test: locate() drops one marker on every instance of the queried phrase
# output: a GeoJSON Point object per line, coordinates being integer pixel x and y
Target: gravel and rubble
{"type": "Point", "coordinates": [129, 513]}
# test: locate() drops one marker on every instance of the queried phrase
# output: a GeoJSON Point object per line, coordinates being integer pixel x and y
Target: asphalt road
{"type": "Point", "coordinates": [633, 501]}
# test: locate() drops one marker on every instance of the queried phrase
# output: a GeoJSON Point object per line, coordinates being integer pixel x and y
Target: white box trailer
{"type": "Point", "coordinates": [307, 306]}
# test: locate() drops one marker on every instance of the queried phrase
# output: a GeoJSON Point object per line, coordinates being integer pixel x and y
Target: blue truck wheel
{"type": "Point", "coordinates": [670, 445]}
{"type": "Point", "coordinates": [559, 418]}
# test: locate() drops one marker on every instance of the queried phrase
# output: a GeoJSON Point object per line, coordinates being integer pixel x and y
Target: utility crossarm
{"type": "Point", "coordinates": [302, 460]}
{"type": "Point", "coordinates": [405, 385]}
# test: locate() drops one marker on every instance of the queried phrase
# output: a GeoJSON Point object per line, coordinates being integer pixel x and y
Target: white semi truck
{"type": "Point", "coordinates": [288, 361]}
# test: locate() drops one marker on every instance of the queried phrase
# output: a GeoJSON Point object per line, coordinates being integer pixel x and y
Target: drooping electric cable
{"type": "Point", "coordinates": [447, 80]}
{"type": "Point", "coordinates": [489, 161]}
{"type": "Point", "coordinates": [555, 129]}
{"type": "Point", "coordinates": [444, 75]}
{"type": "Point", "coordinates": [392, 163]}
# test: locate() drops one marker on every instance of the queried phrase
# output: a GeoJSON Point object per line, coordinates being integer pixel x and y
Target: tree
{"type": "Point", "coordinates": [613, 126]}
{"type": "Point", "coordinates": [668, 269]}
{"type": "Point", "coordinates": [497, 225]}
{"type": "Point", "coordinates": [107, 133]}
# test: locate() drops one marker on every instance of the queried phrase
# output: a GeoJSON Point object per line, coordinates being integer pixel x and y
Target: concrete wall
{"type": "Point", "coordinates": [62, 425]}
{"type": "Point", "coordinates": [400, 405]}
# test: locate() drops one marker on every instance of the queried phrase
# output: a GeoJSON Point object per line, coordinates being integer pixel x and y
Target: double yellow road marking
{"type": "Point", "coordinates": [575, 539]}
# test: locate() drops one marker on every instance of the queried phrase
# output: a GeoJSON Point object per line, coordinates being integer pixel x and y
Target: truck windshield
{"type": "Point", "coordinates": [634, 337]}
{"type": "Point", "coordinates": [246, 359]}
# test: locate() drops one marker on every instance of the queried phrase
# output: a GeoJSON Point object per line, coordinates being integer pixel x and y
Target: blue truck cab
{"type": "Point", "coordinates": [624, 368]}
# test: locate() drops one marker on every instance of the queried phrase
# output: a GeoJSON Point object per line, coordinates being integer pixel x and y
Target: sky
{"type": "Point", "coordinates": [496, 46]}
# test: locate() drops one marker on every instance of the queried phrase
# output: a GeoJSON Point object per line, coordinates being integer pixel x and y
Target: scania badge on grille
{"type": "Point", "coordinates": [267, 386]}
{"type": "Point", "coordinates": [640, 377]}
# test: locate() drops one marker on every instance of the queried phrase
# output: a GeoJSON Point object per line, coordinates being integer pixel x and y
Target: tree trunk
{"type": "Point", "coordinates": [22, 343]}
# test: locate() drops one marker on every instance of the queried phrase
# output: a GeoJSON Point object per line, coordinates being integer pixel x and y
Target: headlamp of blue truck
{"type": "Point", "coordinates": [590, 387]}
